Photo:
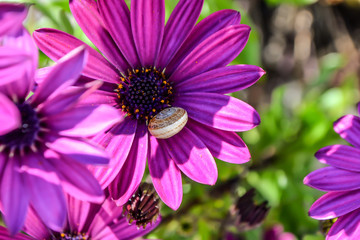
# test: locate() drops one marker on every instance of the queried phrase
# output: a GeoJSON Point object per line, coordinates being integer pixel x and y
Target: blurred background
{"type": "Point", "coordinates": [310, 51]}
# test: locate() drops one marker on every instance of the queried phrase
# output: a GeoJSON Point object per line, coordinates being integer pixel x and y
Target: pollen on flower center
{"type": "Point", "coordinates": [144, 92]}
{"type": "Point", "coordinates": [71, 236]}
{"type": "Point", "coordinates": [26, 134]}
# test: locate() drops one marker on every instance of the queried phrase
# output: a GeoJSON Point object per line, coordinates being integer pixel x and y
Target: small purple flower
{"type": "Point", "coordinates": [341, 180]}
{"type": "Point", "coordinates": [43, 150]}
{"type": "Point", "coordinates": [85, 221]}
{"type": "Point", "coordinates": [148, 67]}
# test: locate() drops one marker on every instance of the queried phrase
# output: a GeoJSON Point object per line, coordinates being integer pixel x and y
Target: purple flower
{"type": "Point", "coordinates": [149, 68]}
{"type": "Point", "coordinates": [85, 221]}
{"type": "Point", "coordinates": [43, 150]}
{"type": "Point", "coordinates": [341, 180]}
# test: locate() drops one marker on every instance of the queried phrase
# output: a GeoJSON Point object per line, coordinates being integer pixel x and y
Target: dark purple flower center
{"type": "Point", "coordinates": [144, 92]}
{"type": "Point", "coordinates": [70, 236]}
{"type": "Point", "coordinates": [26, 134]}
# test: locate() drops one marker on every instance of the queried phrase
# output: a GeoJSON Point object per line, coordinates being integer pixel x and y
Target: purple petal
{"type": "Point", "coordinates": [147, 24]}
{"type": "Point", "coordinates": [178, 27]}
{"type": "Point", "coordinates": [129, 178]}
{"type": "Point", "coordinates": [165, 175]}
{"type": "Point", "coordinates": [202, 31]}
{"type": "Point", "coordinates": [216, 51]}
{"type": "Point", "coordinates": [116, 16]}
{"type": "Point", "coordinates": [222, 80]}
{"type": "Point", "coordinates": [348, 127]}
{"type": "Point", "coordinates": [63, 74]}
{"type": "Point", "coordinates": [226, 146]}
{"type": "Point", "coordinates": [56, 44]}
{"type": "Point", "coordinates": [192, 157]}
{"type": "Point", "coordinates": [79, 150]}
{"type": "Point", "coordinates": [78, 212]}
{"type": "Point", "coordinates": [100, 97]}
{"type": "Point", "coordinates": [88, 17]}
{"type": "Point", "coordinates": [118, 142]}
{"type": "Point", "coordinates": [219, 111]}
{"type": "Point", "coordinates": [346, 227]}
{"type": "Point", "coordinates": [84, 121]}
{"type": "Point", "coordinates": [34, 226]}
{"type": "Point", "coordinates": [335, 204]}
{"type": "Point", "coordinates": [11, 17]}
{"type": "Point", "coordinates": [122, 229]}
{"type": "Point", "coordinates": [5, 235]}
{"type": "Point", "coordinates": [333, 179]}
{"type": "Point", "coordinates": [14, 196]}
{"type": "Point", "coordinates": [10, 115]}
{"type": "Point", "coordinates": [48, 201]}
{"type": "Point", "coordinates": [340, 156]}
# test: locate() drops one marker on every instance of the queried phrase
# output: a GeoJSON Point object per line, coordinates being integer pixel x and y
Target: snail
{"type": "Point", "coordinates": [168, 122]}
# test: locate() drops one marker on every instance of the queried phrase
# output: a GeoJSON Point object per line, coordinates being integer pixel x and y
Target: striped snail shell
{"type": "Point", "coordinates": [168, 122]}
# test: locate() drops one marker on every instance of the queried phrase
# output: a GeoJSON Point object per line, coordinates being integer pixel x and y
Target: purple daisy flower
{"type": "Point", "coordinates": [341, 180]}
{"type": "Point", "coordinates": [148, 67]}
{"type": "Point", "coordinates": [43, 151]}
{"type": "Point", "coordinates": [85, 221]}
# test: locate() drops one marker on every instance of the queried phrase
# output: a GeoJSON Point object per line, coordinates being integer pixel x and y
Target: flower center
{"type": "Point", "coordinates": [26, 134]}
{"type": "Point", "coordinates": [70, 236]}
{"type": "Point", "coordinates": [144, 92]}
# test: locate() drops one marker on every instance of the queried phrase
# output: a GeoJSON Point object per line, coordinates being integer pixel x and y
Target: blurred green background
{"type": "Point", "coordinates": [309, 50]}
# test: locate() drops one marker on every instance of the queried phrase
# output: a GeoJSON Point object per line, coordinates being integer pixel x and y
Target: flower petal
{"type": "Point", "coordinates": [226, 146]}
{"type": "Point", "coordinates": [14, 196]}
{"type": "Point", "coordinates": [340, 156]}
{"type": "Point", "coordinates": [205, 28]}
{"type": "Point", "coordinates": [118, 142]}
{"type": "Point", "coordinates": [165, 175]}
{"type": "Point", "coordinates": [333, 179]}
{"type": "Point", "coordinates": [335, 204]}
{"type": "Point", "coordinates": [100, 97]}
{"type": "Point", "coordinates": [216, 51]}
{"type": "Point", "coordinates": [78, 212]}
{"type": "Point", "coordinates": [346, 227]}
{"type": "Point", "coordinates": [129, 178]}
{"type": "Point", "coordinates": [88, 17]}
{"type": "Point", "coordinates": [84, 121]}
{"type": "Point", "coordinates": [63, 74]}
{"type": "Point", "coordinates": [116, 16]}
{"type": "Point", "coordinates": [218, 111]}
{"type": "Point", "coordinates": [348, 127]}
{"type": "Point", "coordinates": [56, 44]}
{"type": "Point", "coordinates": [147, 24]}
{"type": "Point", "coordinates": [192, 157]}
{"type": "Point", "coordinates": [79, 150]}
{"type": "Point", "coordinates": [5, 235]}
{"type": "Point", "coordinates": [10, 115]}
{"type": "Point", "coordinates": [34, 226]}
{"type": "Point", "coordinates": [11, 17]}
{"type": "Point", "coordinates": [178, 27]}
{"type": "Point", "coordinates": [222, 80]}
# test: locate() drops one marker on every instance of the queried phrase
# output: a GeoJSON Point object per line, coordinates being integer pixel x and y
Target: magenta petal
{"type": "Point", "coordinates": [11, 17]}
{"type": "Point", "coordinates": [333, 179]}
{"type": "Point", "coordinates": [178, 27]}
{"type": "Point", "coordinates": [56, 44]}
{"type": "Point", "coordinates": [335, 204]}
{"type": "Point", "coordinates": [48, 201]}
{"type": "Point", "coordinates": [5, 235]}
{"type": "Point", "coordinates": [118, 142]}
{"type": "Point", "coordinates": [122, 228]}
{"type": "Point", "coordinates": [34, 226]}
{"type": "Point", "coordinates": [346, 227]}
{"type": "Point", "coordinates": [78, 212]}
{"type": "Point", "coordinates": [88, 17]}
{"type": "Point", "coordinates": [224, 145]}
{"type": "Point", "coordinates": [14, 196]}
{"type": "Point", "coordinates": [202, 31]}
{"type": "Point", "coordinates": [79, 150]}
{"type": "Point", "coordinates": [84, 121]}
{"type": "Point", "coordinates": [63, 74]}
{"type": "Point", "coordinates": [216, 51]}
{"type": "Point", "coordinates": [116, 15]}
{"type": "Point", "coordinates": [222, 80]}
{"type": "Point", "coordinates": [100, 97]}
{"type": "Point", "coordinates": [348, 127]}
{"type": "Point", "coordinates": [192, 157]}
{"type": "Point", "coordinates": [10, 115]}
{"type": "Point", "coordinates": [165, 175]}
{"type": "Point", "coordinates": [129, 178]}
{"type": "Point", "coordinates": [340, 156]}
{"type": "Point", "coordinates": [147, 23]}
{"type": "Point", "coordinates": [219, 111]}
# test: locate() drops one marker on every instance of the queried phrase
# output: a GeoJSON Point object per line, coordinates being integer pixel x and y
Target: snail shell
{"type": "Point", "coordinates": [168, 122]}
